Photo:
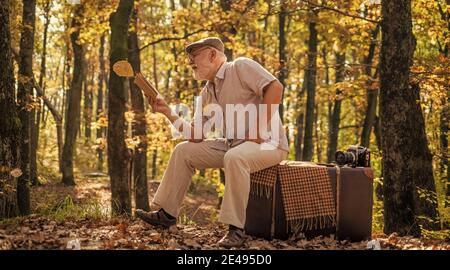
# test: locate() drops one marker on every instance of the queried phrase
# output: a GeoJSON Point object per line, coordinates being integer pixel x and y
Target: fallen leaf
{"type": "Point", "coordinates": [173, 229]}
{"type": "Point", "coordinates": [173, 244]}
{"type": "Point", "coordinates": [192, 243]}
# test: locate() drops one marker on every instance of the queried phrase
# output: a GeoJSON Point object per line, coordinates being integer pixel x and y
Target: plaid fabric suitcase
{"type": "Point", "coordinates": [351, 190]}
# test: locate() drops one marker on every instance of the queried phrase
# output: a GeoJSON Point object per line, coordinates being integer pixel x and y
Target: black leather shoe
{"type": "Point", "coordinates": [155, 218]}
{"type": "Point", "coordinates": [234, 238]}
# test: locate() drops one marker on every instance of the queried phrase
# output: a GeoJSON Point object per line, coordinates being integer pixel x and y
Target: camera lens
{"type": "Point", "coordinates": [343, 158]}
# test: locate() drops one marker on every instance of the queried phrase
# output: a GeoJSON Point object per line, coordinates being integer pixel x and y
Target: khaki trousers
{"type": "Point", "coordinates": [238, 162]}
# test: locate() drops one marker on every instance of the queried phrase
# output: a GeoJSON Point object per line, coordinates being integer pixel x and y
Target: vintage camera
{"type": "Point", "coordinates": [355, 156]}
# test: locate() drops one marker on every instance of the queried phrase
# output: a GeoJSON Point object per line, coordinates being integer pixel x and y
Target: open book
{"type": "Point", "coordinates": [148, 89]}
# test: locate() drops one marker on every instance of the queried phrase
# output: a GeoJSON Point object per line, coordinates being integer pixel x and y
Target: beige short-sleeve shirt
{"type": "Point", "coordinates": [239, 84]}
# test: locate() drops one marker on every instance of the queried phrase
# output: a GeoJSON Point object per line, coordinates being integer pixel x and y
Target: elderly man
{"type": "Point", "coordinates": [241, 82]}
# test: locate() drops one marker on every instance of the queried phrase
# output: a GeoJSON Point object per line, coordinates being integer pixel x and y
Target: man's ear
{"type": "Point", "coordinates": [213, 55]}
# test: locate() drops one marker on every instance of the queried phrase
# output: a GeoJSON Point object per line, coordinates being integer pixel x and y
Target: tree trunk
{"type": "Point", "coordinates": [372, 100]}
{"type": "Point", "coordinates": [118, 154]}
{"type": "Point", "coordinates": [67, 78]}
{"type": "Point", "coordinates": [155, 68]}
{"type": "Point", "coordinates": [175, 56]}
{"type": "Point", "coordinates": [317, 135]}
{"type": "Point", "coordinates": [227, 29]}
{"type": "Point", "coordinates": [155, 77]}
{"type": "Point", "coordinates": [299, 136]}
{"type": "Point", "coordinates": [222, 180]}
{"type": "Point", "coordinates": [154, 159]}
{"type": "Point", "coordinates": [262, 45]}
{"type": "Point", "coordinates": [10, 126]}
{"type": "Point", "coordinates": [444, 127]}
{"type": "Point", "coordinates": [73, 100]}
{"type": "Point", "coordinates": [407, 168]}
{"type": "Point", "coordinates": [377, 131]}
{"type": "Point", "coordinates": [24, 91]}
{"type": "Point", "coordinates": [335, 117]}
{"type": "Point", "coordinates": [100, 111]}
{"type": "Point", "coordinates": [308, 146]}
{"type": "Point", "coordinates": [63, 90]}
{"type": "Point", "coordinates": [139, 128]}
{"type": "Point", "coordinates": [288, 108]}
{"type": "Point", "coordinates": [88, 97]}
{"type": "Point", "coordinates": [372, 94]}
{"type": "Point", "coordinates": [299, 122]}
{"type": "Point", "coordinates": [37, 115]}
{"type": "Point", "coordinates": [283, 70]}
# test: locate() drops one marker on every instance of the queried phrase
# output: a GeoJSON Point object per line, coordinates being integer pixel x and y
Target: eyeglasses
{"type": "Point", "coordinates": [196, 53]}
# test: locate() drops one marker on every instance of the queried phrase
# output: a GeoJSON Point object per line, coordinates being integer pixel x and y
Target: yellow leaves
{"type": "Point", "coordinates": [71, 30]}
{"type": "Point", "coordinates": [181, 13]}
{"type": "Point", "coordinates": [374, 2]}
{"type": "Point", "coordinates": [102, 122]}
{"type": "Point", "coordinates": [27, 27]}
{"type": "Point", "coordinates": [22, 79]}
{"type": "Point", "coordinates": [34, 103]}
{"type": "Point", "coordinates": [239, 6]}
{"type": "Point", "coordinates": [364, 77]}
{"type": "Point", "coordinates": [345, 87]}
{"type": "Point", "coordinates": [158, 132]}
{"type": "Point", "coordinates": [129, 116]}
{"type": "Point", "coordinates": [365, 34]}
{"type": "Point", "coordinates": [418, 69]}
{"type": "Point", "coordinates": [374, 85]}
{"type": "Point", "coordinates": [134, 142]}
{"type": "Point", "coordinates": [130, 143]}
{"type": "Point", "coordinates": [443, 59]}
{"type": "Point", "coordinates": [100, 143]}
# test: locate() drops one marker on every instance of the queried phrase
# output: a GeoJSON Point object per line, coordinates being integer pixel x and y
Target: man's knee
{"type": "Point", "coordinates": [182, 147]}
{"type": "Point", "coordinates": [233, 156]}
{"type": "Point", "coordinates": [186, 150]}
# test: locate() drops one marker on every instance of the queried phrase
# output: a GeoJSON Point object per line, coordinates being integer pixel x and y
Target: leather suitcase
{"type": "Point", "coordinates": [352, 194]}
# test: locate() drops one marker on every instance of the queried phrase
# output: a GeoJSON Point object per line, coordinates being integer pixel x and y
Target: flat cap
{"type": "Point", "coordinates": [209, 41]}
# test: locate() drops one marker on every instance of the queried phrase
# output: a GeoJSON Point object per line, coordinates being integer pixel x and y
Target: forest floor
{"type": "Point", "coordinates": [70, 215]}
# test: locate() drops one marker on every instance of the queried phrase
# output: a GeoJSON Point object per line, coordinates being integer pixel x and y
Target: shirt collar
{"type": "Point", "coordinates": [221, 72]}
{"type": "Point", "coordinates": [219, 75]}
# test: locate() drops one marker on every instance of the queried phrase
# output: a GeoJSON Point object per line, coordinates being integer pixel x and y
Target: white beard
{"type": "Point", "coordinates": [197, 76]}
{"type": "Point", "coordinates": [202, 75]}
